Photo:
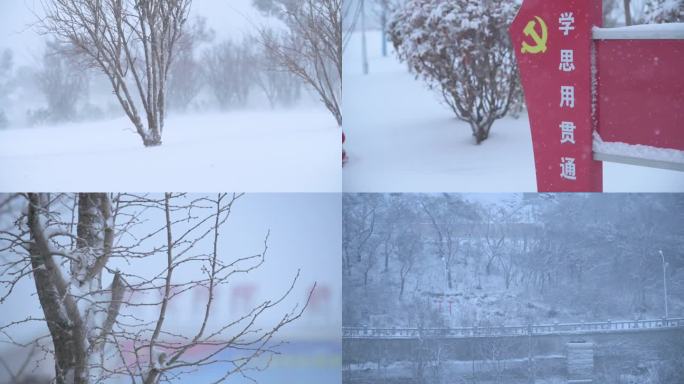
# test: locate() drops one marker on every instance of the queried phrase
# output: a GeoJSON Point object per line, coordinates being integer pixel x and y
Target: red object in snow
{"type": "Point", "coordinates": [344, 153]}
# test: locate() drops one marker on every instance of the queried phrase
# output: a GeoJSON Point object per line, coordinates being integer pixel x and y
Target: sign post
{"type": "Point", "coordinates": [553, 47]}
{"type": "Point", "coordinates": [595, 94]}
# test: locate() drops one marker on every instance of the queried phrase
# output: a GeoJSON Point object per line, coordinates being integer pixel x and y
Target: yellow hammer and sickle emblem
{"type": "Point", "coordinates": [539, 41]}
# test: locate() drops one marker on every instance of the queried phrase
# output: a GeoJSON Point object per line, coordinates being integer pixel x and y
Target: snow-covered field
{"type": "Point", "coordinates": [401, 138]}
{"type": "Point", "coordinates": [254, 151]}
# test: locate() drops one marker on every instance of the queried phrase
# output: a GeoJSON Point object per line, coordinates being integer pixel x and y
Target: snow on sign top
{"type": "Point", "coordinates": [668, 31]}
{"type": "Point", "coordinates": [638, 154]}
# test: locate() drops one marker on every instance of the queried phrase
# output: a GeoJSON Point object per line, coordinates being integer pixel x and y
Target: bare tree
{"type": "Point", "coordinates": [61, 83]}
{"type": "Point", "coordinates": [231, 72]}
{"type": "Point", "coordinates": [132, 42]}
{"type": "Point", "coordinates": [358, 228]}
{"type": "Point", "coordinates": [451, 221]}
{"type": "Point", "coordinates": [6, 82]}
{"type": "Point", "coordinates": [73, 245]}
{"type": "Point", "coordinates": [313, 48]}
{"type": "Point", "coordinates": [409, 247]}
{"type": "Point", "coordinates": [186, 76]}
{"type": "Point", "coordinates": [278, 84]}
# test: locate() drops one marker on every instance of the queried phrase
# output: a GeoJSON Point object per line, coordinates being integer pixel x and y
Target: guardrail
{"type": "Point", "coordinates": [507, 330]}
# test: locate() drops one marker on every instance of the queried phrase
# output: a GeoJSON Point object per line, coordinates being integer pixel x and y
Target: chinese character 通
{"type": "Point", "coordinates": [566, 21]}
{"type": "Point", "coordinates": [567, 62]}
{"type": "Point", "coordinates": [567, 132]}
{"type": "Point", "coordinates": [568, 168]}
{"type": "Point", "coordinates": [567, 96]}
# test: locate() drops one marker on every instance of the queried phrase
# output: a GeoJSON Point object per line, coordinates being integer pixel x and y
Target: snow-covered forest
{"type": "Point", "coordinates": [434, 103]}
{"type": "Point", "coordinates": [165, 288]}
{"type": "Point", "coordinates": [457, 261]}
{"type": "Point", "coordinates": [212, 84]}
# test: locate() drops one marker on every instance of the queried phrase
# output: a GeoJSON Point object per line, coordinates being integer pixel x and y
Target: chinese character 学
{"type": "Point", "coordinates": [568, 168]}
{"type": "Point", "coordinates": [567, 62]}
{"type": "Point", "coordinates": [567, 132]}
{"type": "Point", "coordinates": [566, 21]}
{"type": "Point", "coordinates": [567, 96]}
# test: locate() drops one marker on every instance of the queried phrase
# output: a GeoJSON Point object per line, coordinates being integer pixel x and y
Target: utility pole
{"type": "Point", "coordinates": [667, 314]}
{"type": "Point", "coordinates": [383, 21]}
{"type": "Point", "coordinates": [364, 48]}
{"type": "Point", "coordinates": [628, 12]}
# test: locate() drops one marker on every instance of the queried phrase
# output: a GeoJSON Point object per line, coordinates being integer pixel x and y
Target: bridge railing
{"type": "Point", "coordinates": [526, 330]}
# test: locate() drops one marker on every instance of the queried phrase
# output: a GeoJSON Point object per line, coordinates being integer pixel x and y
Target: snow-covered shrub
{"type": "Point", "coordinates": [462, 49]}
{"type": "Point", "coordinates": [664, 11]}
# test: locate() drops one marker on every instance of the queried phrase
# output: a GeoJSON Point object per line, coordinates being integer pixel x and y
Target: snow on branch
{"type": "Point", "coordinates": [107, 300]}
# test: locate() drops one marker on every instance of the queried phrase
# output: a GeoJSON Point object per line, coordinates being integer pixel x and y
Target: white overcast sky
{"type": "Point", "coordinates": [229, 18]}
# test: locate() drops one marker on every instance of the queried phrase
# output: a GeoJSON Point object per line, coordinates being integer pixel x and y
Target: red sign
{"type": "Point", "coordinates": [553, 45]}
{"type": "Point", "coordinates": [641, 91]}
{"type": "Point", "coordinates": [624, 83]}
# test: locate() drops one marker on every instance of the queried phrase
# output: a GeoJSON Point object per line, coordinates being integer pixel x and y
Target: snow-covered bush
{"type": "Point", "coordinates": [664, 11]}
{"type": "Point", "coordinates": [462, 49]}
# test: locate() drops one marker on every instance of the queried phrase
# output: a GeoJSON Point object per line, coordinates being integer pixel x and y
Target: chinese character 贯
{"type": "Point", "coordinates": [568, 168]}
{"type": "Point", "coordinates": [567, 62]}
{"type": "Point", "coordinates": [566, 21]}
{"type": "Point", "coordinates": [567, 132]}
{"type": "Point", "coordinates": [567, 96]}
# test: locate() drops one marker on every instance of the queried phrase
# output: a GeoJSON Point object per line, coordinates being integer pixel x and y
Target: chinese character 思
{"type": "Point", "coordinates": [566, 21]}
{"type": "Point", "coordinates": [568, 168]}
{"type": "Point", "coordinates": [567, 96]}
{"type": "Point", "coordinates": [567, 132]}
{"type": "Point", "coordinates": [567, 62]}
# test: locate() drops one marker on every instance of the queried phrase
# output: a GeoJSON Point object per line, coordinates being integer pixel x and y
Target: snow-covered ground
{"type": "Point", "coordinates": [254, 151]}
{"type": "Point", "coordinates": [401, 138]}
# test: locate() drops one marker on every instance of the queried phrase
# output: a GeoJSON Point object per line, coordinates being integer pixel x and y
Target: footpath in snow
{"type": "Point", "coordinates": [401, 138]}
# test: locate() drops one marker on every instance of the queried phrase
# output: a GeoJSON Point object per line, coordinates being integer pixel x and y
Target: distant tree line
{"type": "Point", "coordinates": [403, 250]}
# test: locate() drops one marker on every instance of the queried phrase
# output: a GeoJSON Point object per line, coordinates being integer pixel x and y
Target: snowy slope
{"type": "Point", "coordinates": [252, 151]}
{"type": "Point", "coordinates": [401, 138]}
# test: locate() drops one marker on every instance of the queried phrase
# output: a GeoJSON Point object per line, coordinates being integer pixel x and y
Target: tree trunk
{"type": "Point", "coordinates": [480, 131]}
{"type": "Point", "coordinates": [63, 321]}
{"type": "Point", "coordinates": [383, 23]}
{"type": "Point", "coordinates": [153, 138]}
{"type": "Point", "coordinates": [401, 290]}
{"type": "Point", "coordinates": [628, 13]}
